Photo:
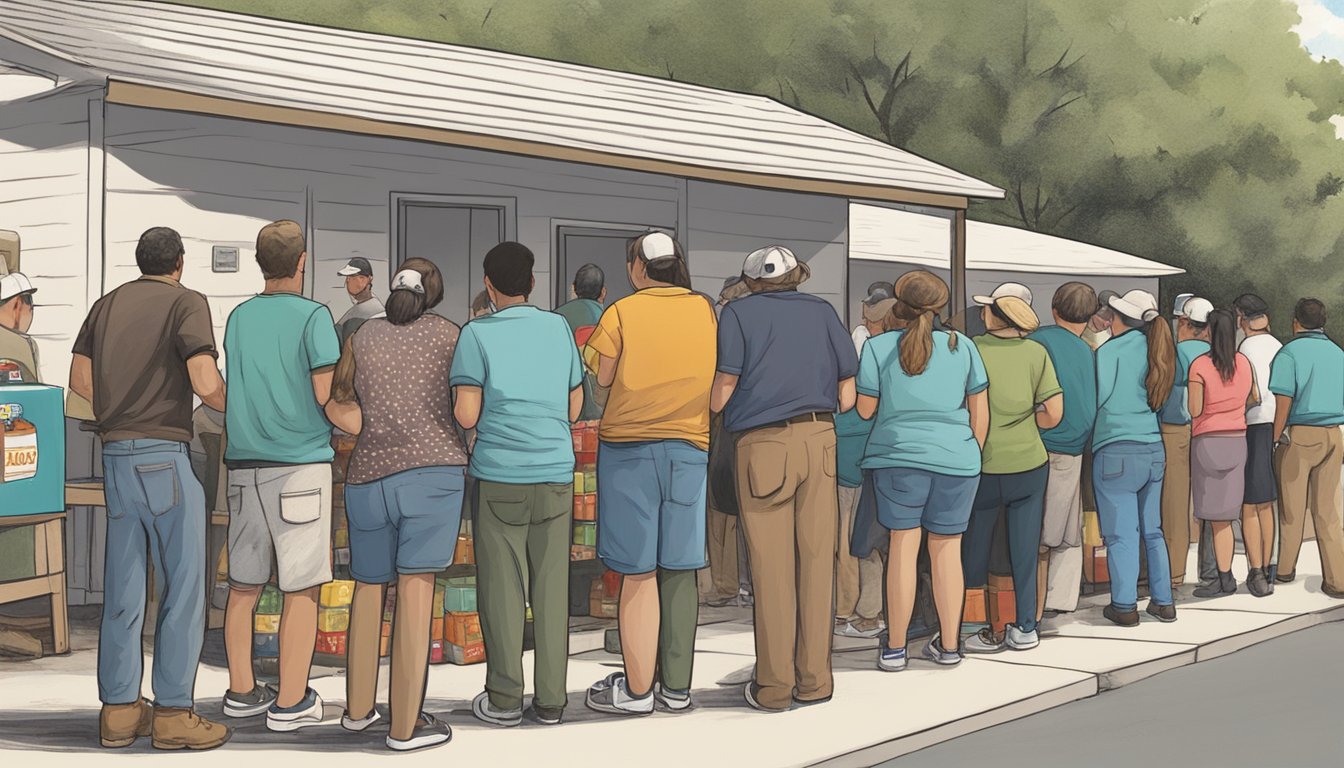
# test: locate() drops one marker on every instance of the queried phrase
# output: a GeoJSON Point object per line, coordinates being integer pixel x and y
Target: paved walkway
{"type": "Point", "coordinates": [49, 713]}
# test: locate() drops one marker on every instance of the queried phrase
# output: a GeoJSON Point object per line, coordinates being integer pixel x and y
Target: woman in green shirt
{"type": "Point", "coordinates": [1024, 398]}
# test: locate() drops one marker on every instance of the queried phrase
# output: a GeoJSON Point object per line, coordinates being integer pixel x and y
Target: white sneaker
{"type": "Point", "coordinates": [305, 713]}
{"type": "Point", "coordinates": [676, 701]}
{"type": "Point", "coordinates": [360, 725]}
{"type": "Point", "coordinates": [612, 697]}
{"type": "Point", "coordinates": [482, 709]}
{"type": "Point", "coordinates": [849, 630]}
{"type": "Point", "coordinates": [428, 732]}
{"type": "Point", "coordinates": [982, 642]}
{"type": "Point", "coordinates": [1018, 640]}
{"type": "Point", "coordinates": [891, 659]}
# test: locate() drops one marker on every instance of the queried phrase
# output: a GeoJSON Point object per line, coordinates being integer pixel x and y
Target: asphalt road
{"type": "Point", "coordinates": [1278, 704]}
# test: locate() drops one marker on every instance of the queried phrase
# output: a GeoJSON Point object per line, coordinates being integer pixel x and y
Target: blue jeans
{"type": "Point", "coordinates": [155, 508]}
{"type": "Point", "coordinates": [1127, 480]}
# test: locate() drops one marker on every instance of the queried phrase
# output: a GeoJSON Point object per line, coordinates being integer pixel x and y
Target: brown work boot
{"type": "Point", "coordinates": [182, 728]}
{"type": "Point", "coordinates": [119, 725]}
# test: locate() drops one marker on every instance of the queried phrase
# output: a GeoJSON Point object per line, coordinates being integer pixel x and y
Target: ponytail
{"type": "Point", "coordinates": [917, 344]}
{"type": "Point", "coordinates": [1161, 361]}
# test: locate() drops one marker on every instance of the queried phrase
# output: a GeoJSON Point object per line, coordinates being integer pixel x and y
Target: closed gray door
{"type": "Point", "coordinates": [604, 247]}
{"type": "Point", "coordinates": [456, 239]}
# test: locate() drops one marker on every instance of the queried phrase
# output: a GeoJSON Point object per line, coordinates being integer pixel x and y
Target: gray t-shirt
{"type": "Point", "coordinates": [789, 351]}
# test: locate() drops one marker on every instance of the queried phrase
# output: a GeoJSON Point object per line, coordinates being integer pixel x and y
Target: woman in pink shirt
{"type": "Point", "coordinates": [1222, 387]}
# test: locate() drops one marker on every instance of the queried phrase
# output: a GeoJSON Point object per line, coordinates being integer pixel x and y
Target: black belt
{"type": "Point", "coordinates": [806, 418]}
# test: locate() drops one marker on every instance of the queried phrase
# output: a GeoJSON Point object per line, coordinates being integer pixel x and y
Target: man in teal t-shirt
{"type": "Point", "coordinates": [517, 379]}
{"type": "Point", "coordinates": [280, 350]}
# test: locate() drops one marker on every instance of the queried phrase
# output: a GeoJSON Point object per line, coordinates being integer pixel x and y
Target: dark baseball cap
{"type": "Point", "coordinates": [356, 266]}
{"type": "Point", "coordinates": [1250, 305]}
{"type": "Point", "coordinates": [879, 292]}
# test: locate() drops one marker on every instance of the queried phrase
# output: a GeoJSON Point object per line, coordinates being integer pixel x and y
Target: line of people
{"type": "Point", "coordinates": [957, 436]}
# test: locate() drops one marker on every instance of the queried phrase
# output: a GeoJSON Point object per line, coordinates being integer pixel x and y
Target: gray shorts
{"type": "Point", "coordinates": [280, 515]}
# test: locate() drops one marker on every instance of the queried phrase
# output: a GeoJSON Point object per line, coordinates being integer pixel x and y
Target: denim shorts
{"type": "Point", "coordinates": [404, 523]}
{"type": "Point", "coordinates": [651, 512]}
{"type": "Point", "coordinates": [910, 498]}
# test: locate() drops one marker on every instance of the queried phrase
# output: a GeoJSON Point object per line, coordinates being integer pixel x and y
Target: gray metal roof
{"type": "Point", "coordinates": [465, 90]}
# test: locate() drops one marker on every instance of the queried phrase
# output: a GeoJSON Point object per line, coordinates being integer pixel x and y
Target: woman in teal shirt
{"type": "Point", "coordinates": [1135, 372]}
{"type": "Point", "coordinates": [927, 391]}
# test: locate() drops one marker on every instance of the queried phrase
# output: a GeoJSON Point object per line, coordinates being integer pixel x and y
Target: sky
{"type": "Point", "coordinates": [1322, 27]}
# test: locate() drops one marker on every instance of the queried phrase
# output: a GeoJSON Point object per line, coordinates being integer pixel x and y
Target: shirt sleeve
{"type": "Point", "coordinates": [1047, 386]}
{"type": "Point", "coordinates": [732, 344]}
{"type": "Point", "coordinates": [977, 378]}
{"type": "Point", "coordinates": [1283, 374]}
{"type": "Point", "coordinates": [84, 341]}
{"type": "Point", "coordinates": [468, 361]}
{"type": "Point", "coordinates": [195, 334]}
{"type": "Point", "coordinates": [868, 382]}
{"type": "Point", "coordinates": [606, 339]}
{"type": "Point", "coordinates": [575, 368]}
{"type": "Point", "coordinates": [1197, 372]}
{"type": "Point", "coordinates": [846, 359]}
{"type": "Point", "coordinates": [320, 340]}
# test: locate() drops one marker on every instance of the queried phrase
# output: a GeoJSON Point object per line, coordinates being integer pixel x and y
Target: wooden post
{"type": "Point", "coordinates": [957, 305]}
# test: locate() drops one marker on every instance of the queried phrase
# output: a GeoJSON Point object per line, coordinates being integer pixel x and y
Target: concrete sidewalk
{"type": "Point", "coordinates": [49, 707]}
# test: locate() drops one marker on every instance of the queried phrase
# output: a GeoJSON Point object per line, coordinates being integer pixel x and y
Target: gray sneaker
{"type": "Point", "coordinates": [983, 642]}
{"type": "Point", "coordinates": [482, 709]}
{"type": "Point", "coordinates": [936, 653]}
{"type": "Point", "coordinates": [609, 695]}
{"type": "Point", "coordinates": [250, 704]}
{"type": "Point", "coordinates": [1018, 640]}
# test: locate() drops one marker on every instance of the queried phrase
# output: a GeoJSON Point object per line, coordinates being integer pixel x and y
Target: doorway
{"type": "Point", "coordinates": [603, 246]}
{"type": "Point", "coordinates": [455, 236]}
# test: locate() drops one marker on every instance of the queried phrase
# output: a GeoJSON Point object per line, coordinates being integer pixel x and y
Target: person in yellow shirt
{"type": "Point", "coordinates": [656, 350]}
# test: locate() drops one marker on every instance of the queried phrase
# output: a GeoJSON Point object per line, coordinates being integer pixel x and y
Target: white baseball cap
{"type": "Point", "coordinates": [1015, 290]}
{"type": "Point", "coordinates": [770, 262]}
{"type": "Point", "coordinates": [1137, 305]}
{"type": "Point", "coordinates": [15, 284]}
{"type": "Point", "coordinates": [1196, 310]}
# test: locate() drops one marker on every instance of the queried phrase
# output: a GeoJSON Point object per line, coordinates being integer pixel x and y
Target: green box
{"type": "Point", "coordinates": [589, 483]}
{"type": "Point", "coordinates": [585, 534]}
{"type": "Point", "coordinates": [459, 598]}
{"type": "Point", "coordinates": [271, 601]}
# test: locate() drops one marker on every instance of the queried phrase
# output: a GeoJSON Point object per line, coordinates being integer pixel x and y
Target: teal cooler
{"type": "Point", "coordinates": [33, 417]}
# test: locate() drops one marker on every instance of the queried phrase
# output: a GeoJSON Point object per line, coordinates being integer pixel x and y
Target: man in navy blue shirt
{"type": "Point", "coordinates": [785, 363]}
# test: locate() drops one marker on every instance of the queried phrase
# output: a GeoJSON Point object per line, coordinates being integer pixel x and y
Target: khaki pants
{"type": "Point", "coordinates": [1062, 533]}
{"type": "Point", "coordinates": [1309, 474]}
{"type": "Point", "coordinates": [858, 583]}
{"type": "Point", "coordinates": [786, 488]}
{"type": "Point", "coordinates": [1176, 497]}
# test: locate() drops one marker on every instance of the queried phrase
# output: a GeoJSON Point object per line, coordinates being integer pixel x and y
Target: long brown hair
{"type": "Point", "coordinates": [1161, 358]}
{"type": "Point", "coordinates": [1223, 342]}
{"type": "Point", "coordinates": [920, 295]}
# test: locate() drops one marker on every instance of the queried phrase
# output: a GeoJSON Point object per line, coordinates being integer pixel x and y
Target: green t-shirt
{"type": "Point", "coordinates": [272, 345]}
{"type": "Point", "coordinates": [1021, 377]}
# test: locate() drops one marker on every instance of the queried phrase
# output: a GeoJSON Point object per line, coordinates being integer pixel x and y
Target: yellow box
{"type": "Point", "coordinates": [333, 619]}
{"type": "Point", "coordinates": [1091, 529]}
{"type": "Point", "coordinates": [340, 538]}
{"type": "Point", "coordinates": [337, 594]}
{"type": "Point", "coordinates": [266, 625]}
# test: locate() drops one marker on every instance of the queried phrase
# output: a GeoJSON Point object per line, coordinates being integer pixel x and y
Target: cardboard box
{"type": "Point", "coordinates": [589, 483]}
{"type": "Point", "coordinates": [1002, 602]}
{"type": "Point", "coordinates": [579, 553]}
{"type": "Point", "coordinates": [271, 601]}
{"type": "Point", "coordinates": [585, 534]}
{"type": "Point", "coordinates": [460, 596]}
{"type": "Point", "coordinates": [585, 507]}
{"type": "Point", "coordinates": [330, 643]}
{"type": "Point", "coordinates": [337, 594]}
{"type": "Point", "coordinates": [266, 623]}
{"type": "Point", "coordinates": [473, 653]}
{"type": "Point", "coordinates": [600, 604]}
{"type": "Point", "coordinates": [266, 646]}
{"type": "Point", "coordinates": [435, 651]}
{"type": "Point", "coordinates": [32, 457]}
{"type": "Point", "coordinates": [1095, 568]}
{"type": "Point", "coordinates": [340, 538]}
{"type": "Point", "coordinates": [462, 628]}
{"type": "Point", "coordinates": [436, 607]}
{"type": "Point", "coordinates": [333, 619]}
{"type": "Point", "coordinates": [385, 646]}
{"type": "Point", "coordinates": [1091, 529]}
{"type": "Point", "coordinates": [386, 628]}
{"type": "Point", "coordinates": [976, 610]}
{"type": "Point", "coordinates": [436, 629]}
{"type": "Point", "coordinates": [465, 554]}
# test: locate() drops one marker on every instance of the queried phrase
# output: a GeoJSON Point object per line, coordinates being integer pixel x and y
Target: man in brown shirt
{"type": "Point", "coordinates": [143, 351]}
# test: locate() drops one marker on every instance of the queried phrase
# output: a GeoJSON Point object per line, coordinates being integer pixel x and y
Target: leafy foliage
{"type": "Point", "coordinates": [1195, 132]}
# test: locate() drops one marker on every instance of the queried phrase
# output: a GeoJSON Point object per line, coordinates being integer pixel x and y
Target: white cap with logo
{"type": "Point", "coordinates": [769, 262]}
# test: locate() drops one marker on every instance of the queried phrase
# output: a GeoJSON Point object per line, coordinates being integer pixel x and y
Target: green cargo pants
{"type": "Point", "coordinates": [522, 549]}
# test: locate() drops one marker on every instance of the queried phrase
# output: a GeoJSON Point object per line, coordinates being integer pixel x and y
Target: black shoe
{"type": "Point", "coordinates": [429, 732]}
{"type": "Point", "coordinates": [801, 703]}
{"type": "Point", "coordinates": [1122, 618]}
{"type": "Point", "coordinates": [1335, 593]}
{"type": "Point", "coordinates": [1225, 584]}
{"type": "Point", "coordinates": [1285, 578]}
{"type": "Point", "coordinates": [752, 693]}
{"type": "Point", "coordinates": [1257, 584]}
{"type": "Point", "coordinates": [1163, 613]}
{"type": "Point", "coordinates": [546, 715]}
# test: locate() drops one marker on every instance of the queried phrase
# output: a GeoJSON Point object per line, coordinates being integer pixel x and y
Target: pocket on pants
{"type": "Point", "coordinates": [766, 468]}
{"type": "Point", "coordinates": [1112, 467]}
{"type": "Point", "coordinates": [687, 484]}
{"type": "Point", "coordinates": [509, 507]}
{"type": "Point", "coordinates": [160, 485]}
{"type": "Point", "coordinates": [828, 460]}
{"type": "Point", "coordinates": [301, 507]}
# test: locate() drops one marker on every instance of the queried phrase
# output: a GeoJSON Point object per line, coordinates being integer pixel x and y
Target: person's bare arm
{"type": "Point", "coordinates": [867, 406]}
{"type": "Point", "coordinates": [575, 403]}
{"type": "Point", "coordinates": [1282, 404]}
{"type": "Point", "coordinates": [347, 417]}
{"type": "Point", "coordinates": [606, 371]}
{"type": "Point", "coordinates": [847, 394]}
{"type": "Point", "coordinates": [467, 410]}
{"type": "Point", "coordinates": [206, 381]}
{"type": "Point", "coordinates": [978, 405]}
{"type": "Point", "coordinates": [1052, 414]}
{"type": "Point", "coordinates": [81, 377]}
{"type": "Point", "coordinates": [1253, 397]}
{"type": "Point", "coordinates": [1194, 398]}
{"type": "Point", "coordinates": [725, 384]}
{"type": "Point", "coordinates": [322, 385]}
